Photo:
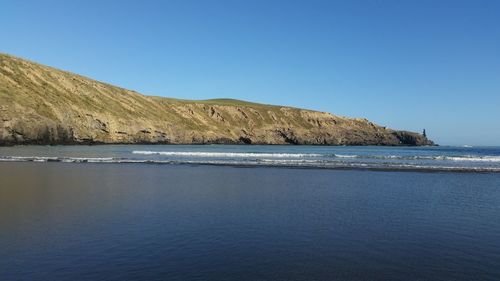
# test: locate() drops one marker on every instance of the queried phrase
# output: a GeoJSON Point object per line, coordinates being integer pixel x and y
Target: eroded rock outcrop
{"type": "Point", "coordinates": [43, 105]}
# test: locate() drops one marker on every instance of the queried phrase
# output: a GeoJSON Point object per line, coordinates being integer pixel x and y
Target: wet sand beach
{"type": "Point", "coordinates": [67, 221]}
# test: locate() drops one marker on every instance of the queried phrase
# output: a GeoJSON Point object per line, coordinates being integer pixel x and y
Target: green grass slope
{"type": "Point", "coordinates": [44, 105]}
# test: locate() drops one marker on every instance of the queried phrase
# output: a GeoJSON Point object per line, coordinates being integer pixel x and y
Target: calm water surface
{"type": "Point", "coordinates": [88, 221]}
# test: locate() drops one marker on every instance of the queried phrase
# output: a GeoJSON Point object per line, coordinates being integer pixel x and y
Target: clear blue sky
{"type": "Point", "coordinates": [403, 64]}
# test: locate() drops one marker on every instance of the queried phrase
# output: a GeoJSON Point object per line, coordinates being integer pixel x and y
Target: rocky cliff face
{"type": "Point", "coordinates": [43, 105]}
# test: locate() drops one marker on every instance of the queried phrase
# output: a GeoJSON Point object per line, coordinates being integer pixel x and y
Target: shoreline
{"type": "Point", "coordinates": [416, 169]}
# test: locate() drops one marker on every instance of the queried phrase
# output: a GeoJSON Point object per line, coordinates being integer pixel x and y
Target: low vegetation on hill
{"type": "Point", "coordinates": [44, 105]}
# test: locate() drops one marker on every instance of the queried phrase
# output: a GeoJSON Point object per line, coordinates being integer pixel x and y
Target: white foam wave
{"type": "Point", "coordinates": [474, 158]}
{"type": "Point", "coordinates": [55, 159]}
{"type": "Point", "coordinates": [295, 161]}
{"type": "Point", "coordinates": [347, 156]}
{"type": "Point", "coordinates": [265, 157]}
{"type": "Point", "coordinates": [305, 163]}
{"type": "Point", "coordinates": [226, 154]}
{"type": "Point", "coordinates": [89, 160]}
{"type": "Point", "coordinates": [468, 158]}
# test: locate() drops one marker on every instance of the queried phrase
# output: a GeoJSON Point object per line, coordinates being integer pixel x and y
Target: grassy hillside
{"type": "Point", "coordinates": [44, 105]}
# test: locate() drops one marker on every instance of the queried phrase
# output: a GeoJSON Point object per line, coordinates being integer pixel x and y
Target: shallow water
{"type": "Point", "coordinates": [466, 159]}
{"type": "Point", "coordinates": [61, 221]}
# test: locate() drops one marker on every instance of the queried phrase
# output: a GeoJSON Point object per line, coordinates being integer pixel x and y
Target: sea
{"type": "Point", "coordinates": [222, 212]}
{"type": "Point", "coordinates": [427, 158]}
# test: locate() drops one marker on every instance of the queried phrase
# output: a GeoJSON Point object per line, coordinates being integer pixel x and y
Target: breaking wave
{"type": "Point", "coordinates": [474, 158]}
{"type": "Point", "coordinates": [253, 155]}
{"type": "Point", "coordinates": [227, 154]}
{"type": "Point", "coordinates": [470, 158]}
{"type": "Point", "coordinates": [57, 159]}
{"type": "Point", "coordinates": [265, 162]}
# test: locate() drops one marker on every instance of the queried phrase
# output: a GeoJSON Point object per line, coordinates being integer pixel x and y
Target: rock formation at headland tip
{"type": "Point", "coordinates": [44, 105]}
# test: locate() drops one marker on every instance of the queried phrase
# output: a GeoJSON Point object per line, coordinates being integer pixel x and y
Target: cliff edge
{"type": "Point", "coordinates": [44, 105]}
